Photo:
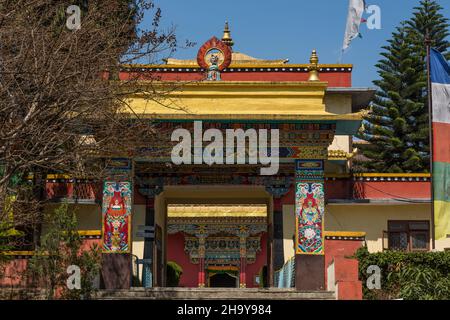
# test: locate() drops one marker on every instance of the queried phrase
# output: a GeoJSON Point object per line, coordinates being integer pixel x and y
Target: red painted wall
{"type": "Point", "coordinates": [88, 243]}
{"type": "Point", "coordinates": [189, 278]}
{"type": "Point", "coordinates": [348, 286]}
{"type": "Point", "coordinates": [64, 189]}
{"type": "Point", "coordinates": [175, 252]}
{"type": "Point", "coordinates": [138, 198]}
{"type": "Point", "coordinates": [13, 273]}
{"type": "Point", "coordinates": [392, 189]}
{"type": "Point", "coordinates": [261, 260]}
{"type": "Point", "coordinates": [334, 189]}
{"type": "Point", "coordinates": [339, 189]}
{"type": "Point", "coordinates": [334, 79]}
{"type": "Point", "coordinates": [350, 189]}
{"type": "Point", "coordinates": [343, 248]}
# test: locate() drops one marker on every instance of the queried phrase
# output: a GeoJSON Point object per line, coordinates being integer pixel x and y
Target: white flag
{"type": "Point", "coordinates": [355, 12]}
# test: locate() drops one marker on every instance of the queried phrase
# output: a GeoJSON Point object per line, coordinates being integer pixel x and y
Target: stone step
{"type": "Point", "coordinates": [214, 294]}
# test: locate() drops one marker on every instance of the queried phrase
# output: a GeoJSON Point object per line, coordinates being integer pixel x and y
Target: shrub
{"type": "Point", "coordinates": [407, 275]}
{"type": "Point", "coordinates": [174, 272]}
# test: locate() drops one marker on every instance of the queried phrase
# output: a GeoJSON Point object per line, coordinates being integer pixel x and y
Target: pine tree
{"type": "Point", "coordinates": [397, 103]}
{"type": "Point", "coordinates": [427, 21]}
{"type": "Point", "coordinates": [397, 125]}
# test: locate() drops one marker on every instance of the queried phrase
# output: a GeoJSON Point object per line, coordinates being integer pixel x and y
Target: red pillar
{"type": "Point", "coordinates": [242, 274]}
{"type": "Point", "coordinates": [201, 272]}
{"type": "Point", "coordinates": [201, 262]}
{"type": "Point", "coordinates": [243, 261]}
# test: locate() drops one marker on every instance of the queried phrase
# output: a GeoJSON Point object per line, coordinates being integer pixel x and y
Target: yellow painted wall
{"type": "Point", "coordinates": [341, 143]}
{"type": "Point", "coordinates": [371, 219]}
{"type": "Point", "coordinates": [218, 194]}
{"type": "Point", "coordinates": [288, 231]}
{"type": "Point", "coordinates": [138, 218]}
{"type": "Point", "coordinates": [226, 98]}
{"type": "Point", "coordinates": [160, 211]}
{"type": "Point", "coordinates": [333, 167]}
{"type": "Point", "coordinates": [443, 244]}
{"type": "Point", "coordinates": [338, 103]}
{"type": "Point", "coordinates": [89, 216]}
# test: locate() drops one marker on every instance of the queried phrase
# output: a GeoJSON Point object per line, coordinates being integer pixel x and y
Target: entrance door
{"type": "Point", "coordinates": [227, 279]}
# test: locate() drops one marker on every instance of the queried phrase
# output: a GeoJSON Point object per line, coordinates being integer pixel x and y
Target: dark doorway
{"type": "Point", "coordinates": [222, 280]}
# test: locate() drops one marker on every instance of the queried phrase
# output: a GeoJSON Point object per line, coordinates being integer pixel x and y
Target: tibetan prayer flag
{"type": "Point", "coordinates": [354, 18]}
{"type": "Point", "coordinates": [440, 84]}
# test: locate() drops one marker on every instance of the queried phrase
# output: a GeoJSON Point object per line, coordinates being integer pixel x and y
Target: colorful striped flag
{"type": "Point", "coordinates": [440, 85]}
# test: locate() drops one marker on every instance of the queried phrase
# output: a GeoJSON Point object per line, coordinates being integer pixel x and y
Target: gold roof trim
{"type": "Point", "coordinates": [352, 234]}
{"type": "Point", "coordinates": [393, 175]}
{"type": "Point", "coordinates": [235, 117]}
{"type": "Point", "coordinates": [90, 232]}
{"type": "Point", "coordinates": [192, 211]}
{"type": "Point", "coordinates": [339, 155]}
{"type": "Point", "coordinates": [17, 253]}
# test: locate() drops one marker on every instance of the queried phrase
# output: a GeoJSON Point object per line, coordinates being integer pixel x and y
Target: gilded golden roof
{"type": "Point", "coordinates": [190, 211]}
{"type": "Point", "coordinates": [237, 59]}
{"type": "Point", "coordinates": [339, 155]}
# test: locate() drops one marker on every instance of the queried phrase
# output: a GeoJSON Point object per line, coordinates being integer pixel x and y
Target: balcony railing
{"type": "Point", "coordinates": [73, 190]}
{"type": "Point", "coordinates": [285, 277]}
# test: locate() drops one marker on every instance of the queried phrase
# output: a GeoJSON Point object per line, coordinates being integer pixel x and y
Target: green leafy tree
{"type": "Point", "coordinates": [397, 124]}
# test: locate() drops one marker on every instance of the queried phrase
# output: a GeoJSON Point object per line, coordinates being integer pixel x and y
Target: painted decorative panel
{"type": "Point", "coordinates": [223, 249]}
{"type": "Point", "coordinates": [116, 215]}
{"type": "Point", "coordinates": [309, 207]}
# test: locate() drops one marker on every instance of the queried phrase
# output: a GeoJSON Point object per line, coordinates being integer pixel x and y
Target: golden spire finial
{"type": "Point", "coordinates": [314, 67]}
{"type": "Point", "coordinates": [227, 35]}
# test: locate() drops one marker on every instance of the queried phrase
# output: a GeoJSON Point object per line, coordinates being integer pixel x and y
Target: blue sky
{"type": "Point", "coordinates": [275, 29]}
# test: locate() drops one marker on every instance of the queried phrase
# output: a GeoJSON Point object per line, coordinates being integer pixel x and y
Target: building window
{"type": "Point", "coordinates": [408, 235]}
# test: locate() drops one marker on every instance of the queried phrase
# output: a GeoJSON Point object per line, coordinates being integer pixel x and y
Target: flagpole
{"type": "Point", "coordinates": [431, 138]}
{"type": "Point", "coordinates": [341, 56]}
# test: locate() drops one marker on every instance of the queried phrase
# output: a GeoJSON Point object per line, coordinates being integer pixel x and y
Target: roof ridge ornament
{"type": "Point", "coordinates": [214, 56]}
{"type": "Point", "coordinates": [227, 36]}
{"type": "Point", "coordinates": [314, 66]}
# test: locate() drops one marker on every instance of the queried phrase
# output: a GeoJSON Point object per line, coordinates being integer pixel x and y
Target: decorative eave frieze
{"type": "Point", "coordinates": [392, 177]}
{"type": "Point", "coordinates": [236, 67]}
{"type": "Point", "coordinates": [90, 234]}
{"type": "Point", "coordinates": [224, 211]}
{"type": "Point", "coordinates": [19, 254]}
{"type": "Point", "coordinates": [345, 235]}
